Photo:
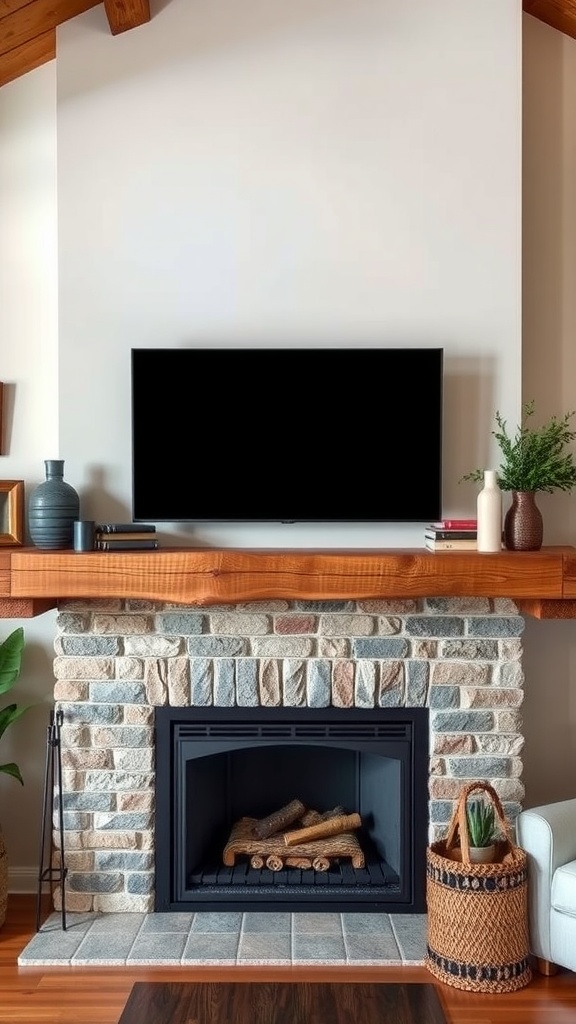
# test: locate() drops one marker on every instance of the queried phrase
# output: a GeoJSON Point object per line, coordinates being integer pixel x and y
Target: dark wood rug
{"type": "Point", "coordinates": [281, 1003]}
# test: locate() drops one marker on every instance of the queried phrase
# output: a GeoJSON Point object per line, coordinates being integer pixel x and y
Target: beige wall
{"type": "Point", "coordinates": [549, 375]}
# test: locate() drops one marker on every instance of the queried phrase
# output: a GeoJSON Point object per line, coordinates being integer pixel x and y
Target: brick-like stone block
{"type": "Point", "coordinates": [460, 673]}
{"type": "Point", "coordinates": [136, 801]}
{"type": "Point", "coordinates": [247, 683]}
{"type": "Point", "coordinates": [270, 683]}
{"type": "Point", "coordinates": [491, 697]}
{"type": "Point", "coordinates": [343, 684]}
{"type": "Point", "coordinates": [123, 903]}
{"type": "Point", "coordinates": [234, 623]}
{"type": "Point", "coordinates": [154, 646]}
{"type": "Point", "coordinates": [134, 759]}
{"type": "Point", "coordinates": [118, 693]}
{"type": "Point", "coordinates": [116, 781]}
{"type": "Point", "coordinates": [290, 624]}
{"type": "Point", "coordinates": [123, 736]}
{"type": "Point", "coordinates": [347, 625]}
{"type": "Point", "coordinates": [183, 623]}
{"type": "Point", "coordinates": [469, 649]}
{"type": "Point", "coordinates": [155, 687]}
{"type": "Point", "coordinates": [379, 647]}
{"type": "Point", "coordinates": [129, 668]}
{"type": "Point", "coordinates": [71, 690]}
{"type": "Point", "coordinates": [201, 682]}
{"type": "Point", "coordinates": [417, 683]}
{"type": "Point", "coordinates": [119, 860]}
{"type": "Point", "coordinates": [500, 743]}
{"type": "Point", "coordinates": [293, 683]}
{"type": "Point", "coordinates": [122, 625]}
{"type": "Point", "coordinates": [224, 683]}
{"type": "Point", "coordinates": [393, 606]}
{"type": "Point", "coordinates": [92, 840]}
{"type": "Point", "coordinates": [178, 682]}
{"type": "Point", "coordinates": [127, 822]}
{"type": "Point", "coordinates": [366, 682]}
{"type": "Point", "coordinates": [334, 647]}
{"type": "Point", "coordinates": [83, 668]}
{"type": "Point", "coordinates": [434, 625]}
{"type": "Point", "coordinates": [139, 883]}
{"type": "Point", "coordinates": [95, 881]}
{"type": "Point", "coordinates": [444, 697]}
{"type": "Point", "coordinates": [496, 625]}
{"type": "Point", "coordinates": [459, 743]}
{"type": "Point", "coordinates": [283, 647]}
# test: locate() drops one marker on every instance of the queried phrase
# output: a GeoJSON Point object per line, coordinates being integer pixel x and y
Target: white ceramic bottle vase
{"type": "Point", "coordinates": [489, 514]}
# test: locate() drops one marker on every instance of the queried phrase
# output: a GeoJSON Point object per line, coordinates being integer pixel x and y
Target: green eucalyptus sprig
{"type": "Point", "coordinates": [534, 459]}
{"type": "Point", "coordinates": [10, 662]}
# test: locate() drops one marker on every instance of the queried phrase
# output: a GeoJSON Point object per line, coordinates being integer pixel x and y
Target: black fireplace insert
{"type": "Point", "coordinates": [216, 767]}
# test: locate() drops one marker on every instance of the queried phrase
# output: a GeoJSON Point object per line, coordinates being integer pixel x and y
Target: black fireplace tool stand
{"type": "Point", "coordinates": [52, 785]}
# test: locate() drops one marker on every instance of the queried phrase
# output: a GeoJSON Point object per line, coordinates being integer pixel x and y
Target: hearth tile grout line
{"type": "Point", "coordinates": [219, 937]}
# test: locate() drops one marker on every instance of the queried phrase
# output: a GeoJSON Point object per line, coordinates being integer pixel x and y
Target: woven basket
{"type": "Point", "coordinates": [3, 879]}
{"type": "Point", "coordinates": [477, 913]}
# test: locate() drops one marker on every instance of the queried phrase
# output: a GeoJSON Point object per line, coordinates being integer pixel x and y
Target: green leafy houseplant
{"type": "Point", "coordinates": [10, 662]}
{"type": "Point", "coordinates": [481, 823]}
{"type": "Point", "coordinates": [534, 458]}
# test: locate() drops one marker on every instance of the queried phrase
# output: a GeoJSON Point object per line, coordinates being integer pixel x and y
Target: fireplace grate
{"type": "Point", "coordinates": [376, 873]}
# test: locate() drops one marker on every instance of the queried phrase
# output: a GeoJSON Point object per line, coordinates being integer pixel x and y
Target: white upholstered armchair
{"type": "Point", "coordinates": [548, 834]}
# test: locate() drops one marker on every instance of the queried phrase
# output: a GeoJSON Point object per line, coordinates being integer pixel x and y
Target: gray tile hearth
{"type": "Point", "coordinates": [228, 939]}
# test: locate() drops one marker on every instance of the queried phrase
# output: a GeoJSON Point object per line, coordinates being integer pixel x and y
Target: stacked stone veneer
{"type": "Point", "coordinates": [116, 660]}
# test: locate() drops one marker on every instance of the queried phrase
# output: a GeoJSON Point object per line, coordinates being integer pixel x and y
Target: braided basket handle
{"type": "Point", "coordinates": [458, 826]}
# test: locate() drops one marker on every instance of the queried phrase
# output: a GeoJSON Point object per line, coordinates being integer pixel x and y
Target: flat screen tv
{"type": "Point", "coordinates": [248, 435]}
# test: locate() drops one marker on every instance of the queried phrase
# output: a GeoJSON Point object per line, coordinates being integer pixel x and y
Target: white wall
{"type": "Point", "coordinates": [316, 170]}
{"type": "Point", "coordinates": [322, 171]}
{"type": "Point", "coordinates": [29, 369]}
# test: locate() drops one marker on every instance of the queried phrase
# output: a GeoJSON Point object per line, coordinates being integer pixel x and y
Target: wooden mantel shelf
{"type": "Point", "coordinates": [543, 583]}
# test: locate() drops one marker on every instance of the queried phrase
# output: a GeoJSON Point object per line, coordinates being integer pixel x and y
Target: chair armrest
{"type": "Point", "coordinates": [548, 835]}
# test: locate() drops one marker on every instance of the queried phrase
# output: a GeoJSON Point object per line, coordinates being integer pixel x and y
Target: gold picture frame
{"type": "Point", "coordinates": [11, 512]}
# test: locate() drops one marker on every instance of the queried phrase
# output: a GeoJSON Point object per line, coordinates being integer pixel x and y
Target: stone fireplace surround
{"type": "Point", "coordinates": [118, 659]}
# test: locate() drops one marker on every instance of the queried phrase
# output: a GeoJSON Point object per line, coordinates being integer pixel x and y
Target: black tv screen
{"type": "Point", "coordinates": [341, 435]}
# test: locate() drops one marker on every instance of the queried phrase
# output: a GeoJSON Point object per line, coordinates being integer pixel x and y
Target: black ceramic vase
{"type": "Point", "coordinates": [523, 526]}
{"type": "Point", "coordinates": [52, 509]}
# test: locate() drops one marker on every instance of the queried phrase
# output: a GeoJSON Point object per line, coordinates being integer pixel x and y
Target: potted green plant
{"type": "Point", "coordinates": [10, 663]}
{"type": "Point", "coordinates": [482, 830]}
{"type": "Point", "coordinates": [533, 459]}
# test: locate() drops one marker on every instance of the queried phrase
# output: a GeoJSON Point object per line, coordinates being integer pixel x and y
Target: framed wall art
{"type": "Point", "coordinates": [11, 512]}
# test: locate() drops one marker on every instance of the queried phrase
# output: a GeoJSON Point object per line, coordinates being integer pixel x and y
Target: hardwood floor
{"type": "Point", "coordinates": [95, 995]}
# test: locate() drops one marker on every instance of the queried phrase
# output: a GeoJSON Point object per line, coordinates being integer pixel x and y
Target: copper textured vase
{"type": "Point", "coordinates": [523, 525]}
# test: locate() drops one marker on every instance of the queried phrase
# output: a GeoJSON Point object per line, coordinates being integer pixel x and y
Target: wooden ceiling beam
{"type": "Point", "coordinates": [126, 14]}
{"type": "Point", "coordinates": [559, 14]}
{"type": "Point", "coordinates": [27, 57]}
{"type": "Point", "coordinates": [37, 18]}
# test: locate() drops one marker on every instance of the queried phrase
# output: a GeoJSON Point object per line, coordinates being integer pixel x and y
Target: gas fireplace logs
{"type": "Point", "coordinates": [280, 820]}
{"type": "Point", "coordinates": [318, 840]}
{"type": "Point", "coordinates": [331, 827]}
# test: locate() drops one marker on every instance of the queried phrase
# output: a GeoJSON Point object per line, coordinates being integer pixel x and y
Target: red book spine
{"type": "Point", "coordinates": [456, 524]}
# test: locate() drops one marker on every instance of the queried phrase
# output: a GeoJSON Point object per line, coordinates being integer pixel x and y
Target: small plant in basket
{"type": "Point", "coordinates": [482, 827]}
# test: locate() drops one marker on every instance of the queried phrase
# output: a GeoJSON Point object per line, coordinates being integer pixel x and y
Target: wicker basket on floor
{"type": "Point", "coordinates": [477, 913]}
{"type": "Point", "coordinates": [3, 879]}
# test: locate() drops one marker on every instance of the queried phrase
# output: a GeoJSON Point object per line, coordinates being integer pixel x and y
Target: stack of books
{"type": "Point", "coordinates": [125, 537]}
{"type": "Point", "coordinates": [451, 535]}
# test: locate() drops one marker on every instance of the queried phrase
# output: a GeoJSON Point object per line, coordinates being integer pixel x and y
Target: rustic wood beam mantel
{"type": "Point", "coordinates": [542, 582]}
